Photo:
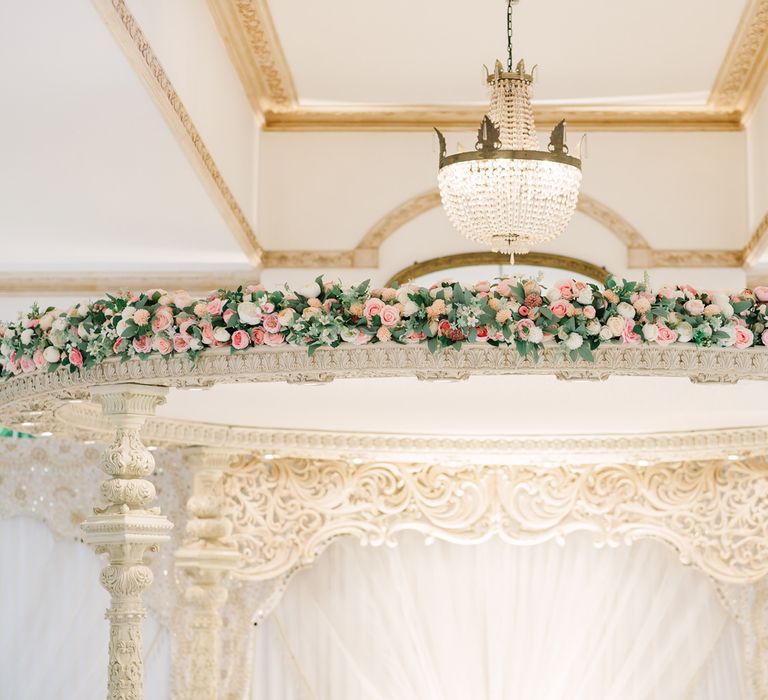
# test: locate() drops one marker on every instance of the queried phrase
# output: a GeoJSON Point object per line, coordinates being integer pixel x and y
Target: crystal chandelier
{"type": "Point", "coordinates": [507, 193]}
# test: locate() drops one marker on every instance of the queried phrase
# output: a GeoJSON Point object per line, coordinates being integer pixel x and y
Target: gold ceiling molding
{"type": "Point", "coordinates": [256, 53]}
{"type": "Point", "coordinates": [758, 243]}
{"type": "Point", "coordinates": [145, 62]}
{"type": "Point", "coordinates": [100, 283]}
{"type": "Point", "coordinates": [742, 76]}
{"type": "Point", "coordinates": [355, 117]}
{"type": "Point", "coordinates": [488, 257]}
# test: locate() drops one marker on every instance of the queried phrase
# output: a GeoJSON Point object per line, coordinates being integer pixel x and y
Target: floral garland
{"type": "Point", "coordinates": [577, 316]}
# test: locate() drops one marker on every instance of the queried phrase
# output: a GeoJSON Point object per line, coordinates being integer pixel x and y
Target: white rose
{"type": "Point", "coordinates": [195, 344]}
{"type": "Point", "coordinates": [310, 291]}
{"type": "Point", "coordinates": [10, 333]}
{"type": "Point", "coordinates": [82, 310]}
{"type": "Point", "coordinates": [410, 308]}
{"type": "Point", "coordinates": [585, 296]}
{"type": "Point", "coordinates": [46, 321]}
{"type": "Point", "coordinates": [221, 334]}
{"type": "Point", "coordinates": [626, 310]}
{"type": "Point", "coordinates": [726, 310]}
{"type": "Point", "coordinates": [165, 299]}
{"type": "Point", "coordinates": [684, 332]}
{"type": "Point", "coordinates": [51, 355]}
{"type": "Point", "coordinates": [574, 342]}
{"type": "Point", "coordinates": [730, 339]}
{"type": "Point", "coordinates": [128, 312]}
{"type": "Point", "coordinates": [553, 294]}
{"type": "Point", "coordinates": [720, 299]}
{"type": "Point", "coordinates": [60, 324]}
{"type": "Point", "coordinates": [448, 293]}
{"type": "Point", "coordinates": [402, 295]}
{"type": "Point", "coordinates": [593, 327]}
{"type": "Point", "coordinates": [615, 325]}
{"type": "Point", "coordinates": [26, 336]}
{"type": "Point", "coordinates": [249, 313]}
{"type": "Point", "coordinates": [6, 349]}
{"type": "Point", "coordinates": [121, 326]}
{"type": "Point", "coordinates": [536, 335]}
{"type": "Point", "coordinates": [650, 332]}
{"type": "Point", "coordinates": [606, 333]}
{"type": "Point", "coordinates": [82, 332]}
{"type": "Point", "coordinates": [348, 335]}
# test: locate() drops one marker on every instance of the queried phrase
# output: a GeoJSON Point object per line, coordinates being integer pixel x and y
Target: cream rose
{"type": "Point", "coordinates": [626, 310]}
{"type": "Point", "coordinates": [249, 313]}
{"type": "Point", "coordinates": [310, 291]}
{"type": "Point", "coordinates": [695, 307]}
{"type": "Point", "coordinates": [574, 341]}
{"type": "Point", "coordinates": [51, 355]}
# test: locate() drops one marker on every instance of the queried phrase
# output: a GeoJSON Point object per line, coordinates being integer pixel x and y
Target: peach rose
{"type": "Point", "coordinates": [201, 308]}
{"type": "Point", "coordinates": [271, 323]}
{"type": "Point", "coordinates": [589, 312]}
{"type": "Point", "coordinates": [744, 337]}
{"type": "Point", "coordinates": [181, 342]}
{"type": "Point", "coordinates": [560, 308]}
{"type": "Point", "coordinates": [483, 286]}
{"type": "Point", "coordinates": [142, 344]}
{"type": "Point", "coordinates": [162, 344]}
{"type": "Point", "coordinates": [141, 317]}
{"type": "Point", "coordinates": [75, 357]}
{"type": "Point", "coordinates": [215, 307]}
{"type": "Point", "coordinates": [642, 305]}
{"type": "Point", "coordinates": [384, 334]}
{"type": "Point", "coordinates": [274, 339]}
{"type": "Point", "coordinates": [628, 335]}
{"type": "Point", "coordinates": [389, 316]}
{"type": "Point", "coordinates": [373, 308]}
{"type": "Point", "coordinates": [503, 316]}
{"type": "Point", "coordinates": [240, 340]}
{"type": "Point", "coordinates": [163, 319]}
{"type": "Point", "coordinates": [666, 335]}
{"type": "Point", "coordinates": [257, 335]}
{"type": "Point", "coordinates": [761, 293]}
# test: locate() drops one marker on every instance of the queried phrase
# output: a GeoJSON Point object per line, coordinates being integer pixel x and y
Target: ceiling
{"type": "Point", "coordinates": [432, 51]}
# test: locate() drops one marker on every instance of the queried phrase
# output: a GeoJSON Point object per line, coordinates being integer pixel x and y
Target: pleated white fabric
{"type": "Point", "coordinates": [499, 622]}
{"type": "Point", "coordinates": [53, 635]}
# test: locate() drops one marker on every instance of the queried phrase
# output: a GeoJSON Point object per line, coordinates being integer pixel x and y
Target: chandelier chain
{"type": "Point", "coordinates": [510, 4]}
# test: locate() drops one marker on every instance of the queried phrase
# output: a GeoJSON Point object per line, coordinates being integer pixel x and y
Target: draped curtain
{"type": "Point", "coordinates": [53, 635]}
{"type": "Point", "coordinates": [499, 622]}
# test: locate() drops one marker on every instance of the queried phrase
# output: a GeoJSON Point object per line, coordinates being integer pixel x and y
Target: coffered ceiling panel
{"type": "Point", "coordinates": [432, 51]}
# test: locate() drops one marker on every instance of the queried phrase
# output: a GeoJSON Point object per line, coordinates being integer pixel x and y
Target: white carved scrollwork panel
{"type": "Point", "coordinates": [714, 514]}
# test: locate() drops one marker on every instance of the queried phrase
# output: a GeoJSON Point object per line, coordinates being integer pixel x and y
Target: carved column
{"type": "Point", "coordinates": [126, 529]}
{"type": "Point", "coordinates": [207, 558]}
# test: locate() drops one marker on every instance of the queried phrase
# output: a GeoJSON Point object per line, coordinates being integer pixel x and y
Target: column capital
{"type": "Point", "coordinates": [138, 400]}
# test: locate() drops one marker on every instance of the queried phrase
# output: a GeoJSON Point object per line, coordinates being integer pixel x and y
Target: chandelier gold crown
{"type": "Point", "coordinates": [508, 193]}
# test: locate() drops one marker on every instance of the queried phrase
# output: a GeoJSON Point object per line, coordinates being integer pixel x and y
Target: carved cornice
{"type": "Point", "coordinates": [42, 393]}
{"type": "Point", "coordinates": [85, 422]}
{"type": "Point", "coordinates": [714, 515]}
{"type": "Point", "coordinates": [466, 118]}
{"type": "Point", "coordinates": [255, 51]}
{"type": "Point", "coordinates": [742, 75]}
{"type": "Point", "coordinates": [145, 62]}
{"type": "Point", "coordinates": [758, 243]}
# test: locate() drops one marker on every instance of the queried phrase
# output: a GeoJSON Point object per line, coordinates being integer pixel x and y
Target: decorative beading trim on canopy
{"type": "Point", "coordinates": [287, 511]}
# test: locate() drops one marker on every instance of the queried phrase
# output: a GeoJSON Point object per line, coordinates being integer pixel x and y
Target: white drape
{"type": "Point", "coordinates": [53, 635]}
{"type": "Point", "coordinates": [498, 622]}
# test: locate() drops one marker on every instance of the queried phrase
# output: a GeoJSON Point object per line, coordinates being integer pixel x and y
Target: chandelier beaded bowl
{"type": "Point", "coordinates": [507, 193]}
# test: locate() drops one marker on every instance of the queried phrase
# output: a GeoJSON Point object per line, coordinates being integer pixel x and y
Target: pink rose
{"type": "Point", "coordinates": [761, 293]}
{"type": "Point", "coordinates": [444, 328]}
{"type": "Point", "coordinates": [119, 346]}
{"type": "Point", "coordinates": [184, 326]}
{"type": "Point", "coordinates": [163, 319]}
{"type": "Point", "coordinates": [559, 308]}
{"type": "Point", "coordinates": [523, 310]}
{"type": "Point", "coordinates": [744, 337]}
{"type": "Point", "coordinates": [482, 334]}
{"type": "Point", "coordinates": [689, 291]}
{"type": "Point", "coordinates": [414, 337]}
{"type": "Point", "coordinates": [666, 335]}
{"type": "Point", "coordinates": [240, 340]}
{"type": "Point", "coordinates": [271, 323]}
{"type": "Point", "coordinates": [38, 358]}
{"type": "Point", "coordinates": [274, 339]}
{"type": "Point", "coordinates": [142, 344]}
{"type": "Point", "coordinates": [524, 327]}
{"type": "Point", "coordinates": [27, 364]}
{"type": "Point", "coordinates": [695, 307]}
{"type": "Point", "coordinates": [181, 342]}
{"type": "Point", "coordinates": [267, 307]}
{"type": "Point", "coordinates": [162, 344]}
{"type": "Point", "coordinates": [361, 338]}
{"type": "Point", "coordinates": [483, 287]}
{"type": "Point", "coordinates": [373, 307]}
{"type": "Point", "coordinates": [667, 293]}
{"type": "Point", "coordinates": [75, 357]}
{"type": "Point", "coordinates": [504, 289]}
{"type": "Point", "coordinates": [628, 335]}
{"type": "Point", "coordinates": [589, 312]}
{"type": "Point", "coordinates": [257, 335]}
{"type": "Point", "coordinates": [207, 332]}
{"type": "Point", "coordinates": [565, 288]}
{"type": "Point", "coordinates": [215, 307]}
{"type": "Point", "coordinates": [389, 316]}
{"type": "Point", "coordinates": [227, 315]}
{"type": "Point", "coordinates": [764, 337]}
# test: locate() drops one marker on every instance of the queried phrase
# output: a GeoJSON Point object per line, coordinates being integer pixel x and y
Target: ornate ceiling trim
{"type": "Point", "coordinates": [99, 283]}
{"type": "Point", "coordinates": [256, 53]}
{"type": "Point", "coordinates": [758, 243]}
{"type": "Point", "coordinates": [355, 117]}
{"type": "Point", "coordinates": [743, 74]}
{"type": "Point", "coordinates": [488, 257]}
{"type": "Point", "coordinates": [84, 421]}
{"type": "Point", "coordinates": [145, 62]}
{"type": "Point", "coordinates": [287, 511]}
{"type": "Point", "coordinates": [41, 393]}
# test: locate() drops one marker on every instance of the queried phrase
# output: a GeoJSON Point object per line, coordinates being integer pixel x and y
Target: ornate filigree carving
{"type": "Point", "coordinates": [715, 515]}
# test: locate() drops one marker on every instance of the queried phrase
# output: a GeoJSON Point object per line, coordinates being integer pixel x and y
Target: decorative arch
{"type": "Point", "coordinates": [416, 206]}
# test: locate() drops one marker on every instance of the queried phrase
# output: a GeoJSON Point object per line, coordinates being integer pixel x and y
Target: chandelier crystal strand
{"type": "Point", "coordinates": [508, 194]}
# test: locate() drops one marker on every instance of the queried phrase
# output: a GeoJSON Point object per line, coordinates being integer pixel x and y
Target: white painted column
{"type": "Point", "coordinates": [126, 529]}
{"type": "Point", "coordinates": [207, 557]}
